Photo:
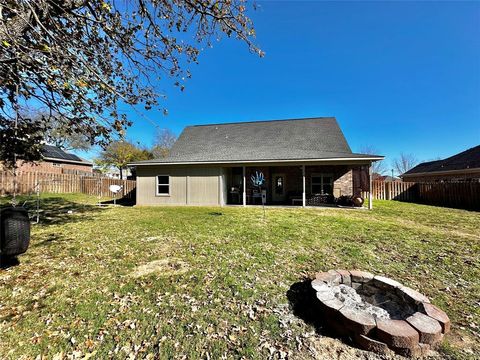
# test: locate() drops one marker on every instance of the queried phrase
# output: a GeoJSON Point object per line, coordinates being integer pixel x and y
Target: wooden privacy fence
{"type": "Point", "coordinates": [463, 195]}
{"type": "Point", "coordinates": [396, 190]}
{"type": "Point", "coordinates": [101, 187]}
{"type": "Point", "coordinates": [27, 183]}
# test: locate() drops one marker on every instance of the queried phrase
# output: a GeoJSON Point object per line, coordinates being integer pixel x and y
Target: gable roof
{"type": "Point", "coordinates": [274, 140]}
{"type": "Point", "coordinates": [54, 153]}
{"type": "Point", "coordinates": [468, 159]}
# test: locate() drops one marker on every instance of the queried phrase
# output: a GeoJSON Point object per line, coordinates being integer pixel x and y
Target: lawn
{"type": "Point", "coordinates": [199, 282]}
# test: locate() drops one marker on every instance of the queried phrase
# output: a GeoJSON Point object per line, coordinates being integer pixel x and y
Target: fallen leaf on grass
{"type": "Point", "coordinates": [163, 267]}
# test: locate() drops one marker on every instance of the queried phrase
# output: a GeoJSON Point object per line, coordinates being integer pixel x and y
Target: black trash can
{"type": "Point", "coordinates": [14, 231]}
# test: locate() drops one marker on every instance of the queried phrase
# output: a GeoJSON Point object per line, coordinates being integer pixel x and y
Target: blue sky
{"type": "Point", "coordinates": [400, 76]}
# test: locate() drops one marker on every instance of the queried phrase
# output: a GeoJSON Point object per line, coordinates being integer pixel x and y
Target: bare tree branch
{"type": "Point", "coordinates": [83, 58]}
{"type": "Point", "coordinates": [404, 163]}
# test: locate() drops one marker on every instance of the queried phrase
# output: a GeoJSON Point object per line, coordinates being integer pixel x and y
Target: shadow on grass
{"type": "Point", "coordinates": [58, 210]}
{"type": "Point", "coordinates": [128, 199]}
{"type": "Point", "coordinates": [8, 262]}
{"type": "Point", "coordinates": [51, 239]}
{"type": "Point", "coordinates": [120, 202]}
{"type": "Point", "coordinates": [304, 304]}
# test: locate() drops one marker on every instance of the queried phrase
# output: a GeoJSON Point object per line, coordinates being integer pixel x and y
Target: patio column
{"type": "Point", "coordinates": [303, 182]}
{"type": "Point", "coordinates": [370, 199]}
{"type": "Point", "coordinates": [244, 195]}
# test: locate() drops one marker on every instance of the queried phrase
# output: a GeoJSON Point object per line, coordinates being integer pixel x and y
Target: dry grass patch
{"type": "Point", "coordinates": [162, 267]}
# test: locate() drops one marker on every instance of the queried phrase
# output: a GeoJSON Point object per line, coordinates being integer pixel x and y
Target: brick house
{"type": "Point", "coordinates": [464, 167]}
{"type": "Point", "coordinates": [57, 161]}
{"type": "Point", "coordinates": [214, 164]}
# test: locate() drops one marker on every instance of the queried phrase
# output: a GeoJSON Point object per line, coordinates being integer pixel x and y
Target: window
{"type": "Point", "coordinates": [163, 185]}
{"type": "Point", "coordinates": [322, 184]}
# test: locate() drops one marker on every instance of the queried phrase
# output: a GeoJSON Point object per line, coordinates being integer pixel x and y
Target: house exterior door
{"type": "Point", "coordinates": [278, 187]}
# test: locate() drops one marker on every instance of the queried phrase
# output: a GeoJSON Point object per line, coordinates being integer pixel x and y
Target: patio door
{"type": "Point", "coordinates": [278, 187]}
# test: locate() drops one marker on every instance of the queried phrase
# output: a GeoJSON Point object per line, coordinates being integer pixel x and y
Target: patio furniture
{"type": "Point", "coordinates": [235, 196]}
{"type": "Point", "coordinates": [320, 199]}
{"type": "Point", "coordinates": [254, 198]}
{"type": "Point", "coordinates": [298, 201]}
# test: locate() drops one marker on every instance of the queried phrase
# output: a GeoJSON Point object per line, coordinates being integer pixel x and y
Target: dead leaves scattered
{"type": "Point", "coordinates": [162, 267]}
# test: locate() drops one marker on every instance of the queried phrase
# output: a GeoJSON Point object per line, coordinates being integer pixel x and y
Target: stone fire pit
{"type": "Point", "coordinates": [379, 313]}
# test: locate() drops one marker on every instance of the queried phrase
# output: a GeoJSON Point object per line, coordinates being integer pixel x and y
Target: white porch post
{"type": "Point", "coordinates": [370, 185]}
{"type": "Point", "coordinates": [244, 187]}
{"type": "Point", "coordinates": [303, 182]}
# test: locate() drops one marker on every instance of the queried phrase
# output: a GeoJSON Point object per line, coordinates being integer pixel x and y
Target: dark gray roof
{"type": "Point", "coordinates": [313, 138]}
{"type": "Point", "coordinates": [56, 153]}
{"type": "Point", "coordinates": [468, 159]}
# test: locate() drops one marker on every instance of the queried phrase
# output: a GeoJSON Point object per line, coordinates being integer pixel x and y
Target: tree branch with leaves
{"type": "Point", "coordinates": [81, 59]}
{"type": "Point", "coordinates": [119, 153]}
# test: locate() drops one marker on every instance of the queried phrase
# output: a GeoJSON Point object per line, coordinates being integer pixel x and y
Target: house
{"type": "Point", "coordinates": [114, 173]}
{"type": "Point", "coordinates": [214, 164]}
{"type": "Point", "coordinates": [385, 178]}
{"type": "Point", "coordinates": [464, 166]}
{"type": "Point", "coordinates": [57, 161]}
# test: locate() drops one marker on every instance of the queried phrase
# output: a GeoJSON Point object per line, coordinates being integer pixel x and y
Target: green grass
{"type": "Point", "coordinates": [229, 270]}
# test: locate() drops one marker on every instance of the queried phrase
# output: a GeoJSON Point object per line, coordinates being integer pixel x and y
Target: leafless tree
{"type": "Point", "coordinates": [404, 163]}
{"type": "Point", "coordinates": [378, 167]}
{"type": "Point", "coordinates": [164, 140]}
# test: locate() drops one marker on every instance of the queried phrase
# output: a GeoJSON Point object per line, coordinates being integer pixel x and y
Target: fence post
{"type": "Point", "coordinates": [370, 188]}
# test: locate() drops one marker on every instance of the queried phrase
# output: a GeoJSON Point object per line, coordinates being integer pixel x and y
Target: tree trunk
{"type": "Point", "coordinates": [121, 173]}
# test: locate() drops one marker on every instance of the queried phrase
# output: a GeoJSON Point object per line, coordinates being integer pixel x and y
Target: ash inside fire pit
{"type": "Point", "coordinates": [352, 299]}
{"type": "Point", "coordinates": [380, 314]}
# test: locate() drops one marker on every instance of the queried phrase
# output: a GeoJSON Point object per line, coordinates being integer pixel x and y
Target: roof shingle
{"type": "Point", "coordinates": [468, 159]}
{"type": "Point", "coordinates": [312, 138]}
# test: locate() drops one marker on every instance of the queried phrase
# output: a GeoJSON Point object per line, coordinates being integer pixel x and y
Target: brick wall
{"type": "Point", "coordinates": [343, 185]}
{"type": "Point", "coordinates": [52, 167]}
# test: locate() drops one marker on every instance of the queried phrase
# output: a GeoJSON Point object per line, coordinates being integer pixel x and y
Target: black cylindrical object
{"type": "Point", "coordinates": [14, 231]}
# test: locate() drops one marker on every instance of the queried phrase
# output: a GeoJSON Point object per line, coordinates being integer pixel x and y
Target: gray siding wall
{"type": "Point", "coordinates": [192, 185]}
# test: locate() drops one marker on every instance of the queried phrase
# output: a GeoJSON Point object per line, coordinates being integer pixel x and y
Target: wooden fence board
{"type": "Point", "coordinates": [463, 195]}
{"type": "Point", "coordinates": [27, 183]}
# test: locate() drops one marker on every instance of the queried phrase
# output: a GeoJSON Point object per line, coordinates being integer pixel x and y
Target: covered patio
{"type": "Point", "coordinates": [311, 184]}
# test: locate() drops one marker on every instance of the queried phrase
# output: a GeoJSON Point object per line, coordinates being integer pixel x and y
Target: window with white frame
{"type": "Point", "coordinates": [322, 184]}
{"type": "Point", "coordinates": [163, 185]}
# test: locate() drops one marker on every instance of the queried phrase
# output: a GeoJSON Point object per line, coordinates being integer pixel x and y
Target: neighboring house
{"type": "Point", "coordinates": [464, 166]}
{"type": "Point", "coordinates": [213, 164]}
{"type": "Point", "coordinates": [114, 173]}
{"type": "Point", "coordinates": [384, 178]}
{"type": "Point", "coordinates": [57, 161]}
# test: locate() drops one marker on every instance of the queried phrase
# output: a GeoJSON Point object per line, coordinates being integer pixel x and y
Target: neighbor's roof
{"type": "Point", "coordinates": [468, 159]}
{"type": "Point", "coordinates": [269, 141]}
{"type": "Point", "coordinates": [55, 153]}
